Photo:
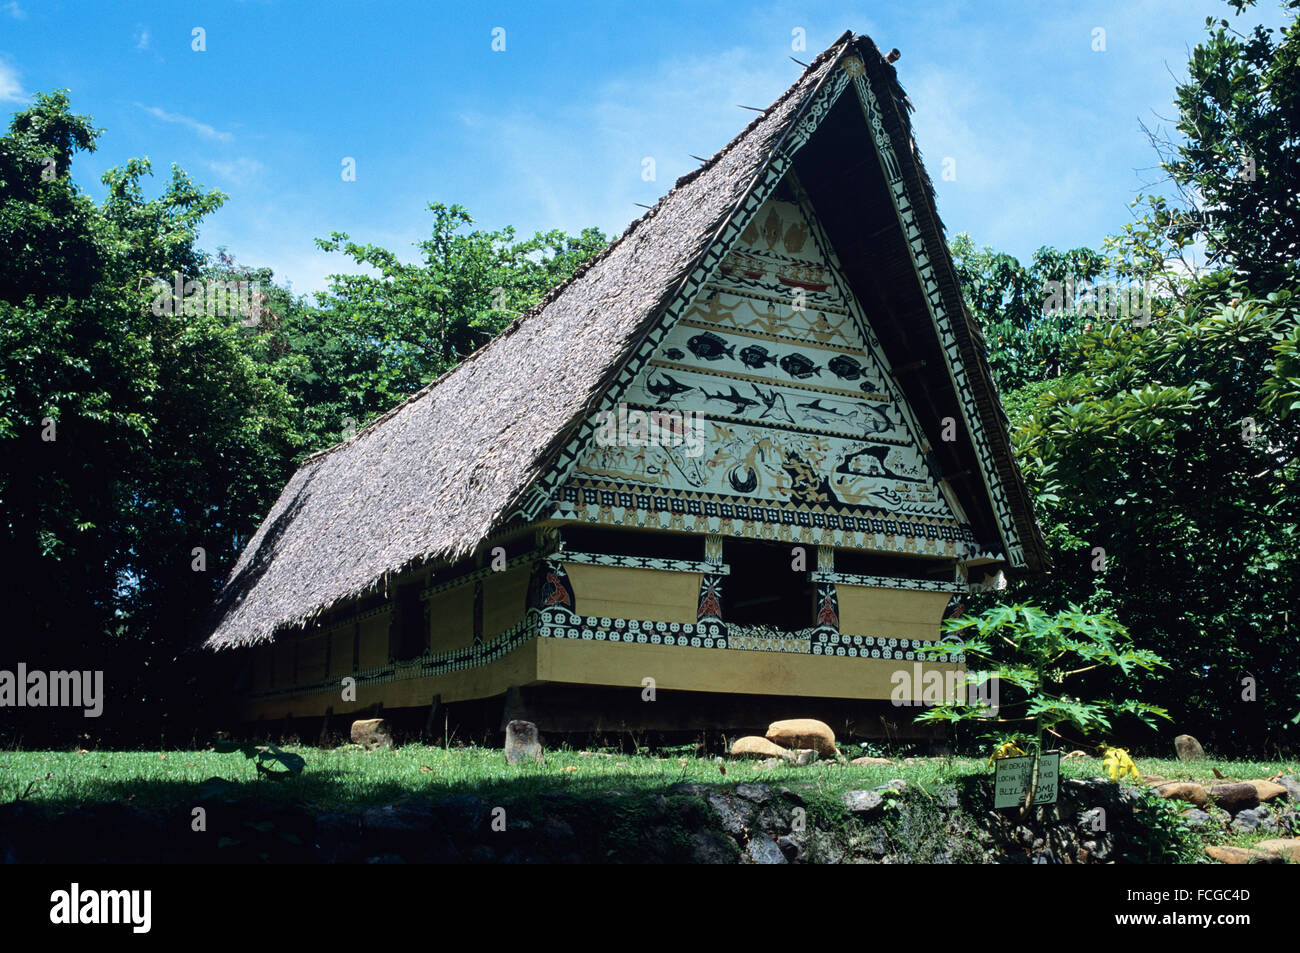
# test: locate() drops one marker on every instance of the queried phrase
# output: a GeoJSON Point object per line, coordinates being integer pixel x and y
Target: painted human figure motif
{"type": "Point", "coordinates": [712, 309]}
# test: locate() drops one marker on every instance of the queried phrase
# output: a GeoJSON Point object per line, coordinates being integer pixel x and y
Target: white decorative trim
{"type": "Point", "coordinates": [643, 562]}
{"type": "Point", "coordinates": [903, 208]}
{"type": "Point", "coordinates": [886, 582]}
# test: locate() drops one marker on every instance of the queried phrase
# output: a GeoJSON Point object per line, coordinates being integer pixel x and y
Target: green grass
{"type": "Point", "coordinates": [347, 776]}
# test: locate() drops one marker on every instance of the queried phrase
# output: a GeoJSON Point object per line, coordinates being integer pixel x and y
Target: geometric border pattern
{"type": "Point", "coordinates": [887, 582]}
{"type": "Point", "coordinates": [903, 207]}
{"type": "Point", "coordinates": [559, 623]}
{"type": "Point", "coordinates": [642, 562]}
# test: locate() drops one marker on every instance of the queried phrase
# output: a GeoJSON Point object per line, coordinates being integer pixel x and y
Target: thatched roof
{"type": "Point", "coordinates": [435, 476]}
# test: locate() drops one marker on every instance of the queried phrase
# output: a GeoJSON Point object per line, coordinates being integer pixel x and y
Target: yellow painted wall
{"type": "Point", "coordinates": [890, 613]}
{"type": "Point", "coordinates": [622, 593]}
{"type": "Point", "coordinates": [517, 668]}
{"type": "Point", "coordinates": [374, 641]}
{"type": "Point", "coordinates": [504, 597]}
{"type": "Point", "coordinates": [451, 619]}
{"type": "Point", "coordinates": [581, 662]}
{"type": "Point", "coordinates": [721, 670]}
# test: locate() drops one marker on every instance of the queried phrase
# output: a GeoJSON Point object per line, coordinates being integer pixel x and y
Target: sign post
{"type": "Point", "coordinates": [1013, 777]}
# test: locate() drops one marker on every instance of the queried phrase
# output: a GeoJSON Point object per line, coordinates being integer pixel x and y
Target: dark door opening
{"type": "Point", "coordinates": [764, 589]}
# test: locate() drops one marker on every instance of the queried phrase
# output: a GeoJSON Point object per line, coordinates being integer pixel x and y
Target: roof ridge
{"type": "Point", "coordinates": [833, 50]}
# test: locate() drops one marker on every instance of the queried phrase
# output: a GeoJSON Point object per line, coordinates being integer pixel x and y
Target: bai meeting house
{"type": "Point", "coordinates": [749, 456]}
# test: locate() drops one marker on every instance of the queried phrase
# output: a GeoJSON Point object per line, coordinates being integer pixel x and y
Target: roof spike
{"type": "Point", "coordinates": [800, 62]}
{"type": "Point", "coordinates": [754, 108]}
{"type": "Point", "coordinates": [642, 206]}
{"type": "Point", "coordinates": [697, 158]}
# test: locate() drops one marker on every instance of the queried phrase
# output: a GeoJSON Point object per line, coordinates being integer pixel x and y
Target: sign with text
{"type": "Point", "coordinates": [1013, 776]}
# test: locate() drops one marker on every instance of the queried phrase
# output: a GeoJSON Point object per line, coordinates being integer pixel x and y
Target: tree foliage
{"type": "Point", "coordinates": [144, 432]}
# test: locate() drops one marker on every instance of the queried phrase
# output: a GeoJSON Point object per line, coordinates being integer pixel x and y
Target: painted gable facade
{"type": "Point", "coordinates": [799, 430]}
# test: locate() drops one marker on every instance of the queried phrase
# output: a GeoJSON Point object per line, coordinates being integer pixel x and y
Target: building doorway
{"type": "Point", "coordinates": [763, 589]}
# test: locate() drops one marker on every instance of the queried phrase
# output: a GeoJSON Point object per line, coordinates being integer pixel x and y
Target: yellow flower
{"type": "Point", "coordinates": [1118, 763]}
{"type": "Point", "coordinates": [1007, 749]}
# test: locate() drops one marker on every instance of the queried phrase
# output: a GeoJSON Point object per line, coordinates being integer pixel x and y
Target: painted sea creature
{"type": "Point", "coordinates": [740, 403]}
{"type": "Point", "coordinates": [709, 347]}
{"type": "Point", "coordinates": [757, 356]}
{"type": "Point", "coordinates": [845, 368]}
{"type": "Point", "coordinates": [674, 354]}
{"type": "Point", "coordinates": [877, 419]}
{"type": "Point", "coordinates": [773, 403]}
{"type": "Point", "coordinates": [815, 410]}
{"type": "Point", "coordinates": [666, 388]}
{"type": "Point", "coordinates": [797, 365]}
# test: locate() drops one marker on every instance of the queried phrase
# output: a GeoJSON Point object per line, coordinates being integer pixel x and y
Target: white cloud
{"type": "Point", "coordinates": [142, 39]}
{"type": "Point", "coordinates": [585, 165]}
{"type": "Point", "coordinates": [202, 128]}
{"type": "Point", "coordinates": [15, 11]}
{"type": "Point", "coordinates": [11, 90]}
{"type": "Point", "coordinates": [240, 171]}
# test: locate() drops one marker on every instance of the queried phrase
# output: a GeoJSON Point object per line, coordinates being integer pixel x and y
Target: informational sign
{"type": "Point", "coordinates": [1013, 776]}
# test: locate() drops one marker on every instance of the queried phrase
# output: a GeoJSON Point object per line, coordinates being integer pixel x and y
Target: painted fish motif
{"type": "Point", "coordinates": [709, 347]}
{"type": "Point", "coordinates": [674, 354]}
{"type": "Point", "coordinates": [796, 365]}
{"type": "Point", "coordinates": [756, 356]}
{"type": "Point", "coordinates": [845, 368]}
{"type": "Point", "coordinates": [740, 403]}
{"type": "Point", "coordinates": [666, 388]}
{"type": "Point", "coordinates": [817, 411]}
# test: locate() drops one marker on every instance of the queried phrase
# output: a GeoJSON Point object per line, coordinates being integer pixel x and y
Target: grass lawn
{"type": "Point", "coordinates": [348, 776]}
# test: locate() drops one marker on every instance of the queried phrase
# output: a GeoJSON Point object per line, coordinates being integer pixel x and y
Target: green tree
{"type": "Point", "coordinates": [1166, 491]}
{"type": "Point", "coordinates": [1234, 162]}
{"type": "Point", "coordinates": [130, 434]}
{"type": "Point", "coordinates": [1027, 337]}
{"type": "Point", "coordinates": [1040, 656]}
{"type": "Point", "coordinates": [384, 332]}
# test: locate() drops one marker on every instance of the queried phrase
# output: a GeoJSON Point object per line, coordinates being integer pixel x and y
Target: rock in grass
{"type": "Point", "coordinates": [1242, 855]}
{"type": "Point", "coordinates": [863, 803]}
{"type": "Point", "coordinates": [764, 850]}
{"type": "Point", "coordinates": [1255, 819]}
{"type": "Point", "coordinates": [1188, 748]}
{"type": "Point", "coordinates": [867, 760]}
{"type": "Point", "coordinates": [1288, 847]}
{"type": "Point", "coordinates": [371, 733]}
{"type": "Point", "coordinates": [752, 746]}
{"type": "Point", "coordinates": [804, 733]}
{"type": "Point", "coordinates": [523, 743]}
{"type": "Point", "coordinates": [1187, 791]}
{"type": "Point", "coordinates": [1268, 790]}
{"type": "Point", "coordinates": [1234, 797]}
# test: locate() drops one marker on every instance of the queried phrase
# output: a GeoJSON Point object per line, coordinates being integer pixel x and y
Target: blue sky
{"type": "Point", "coordinates": [552, 132]}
